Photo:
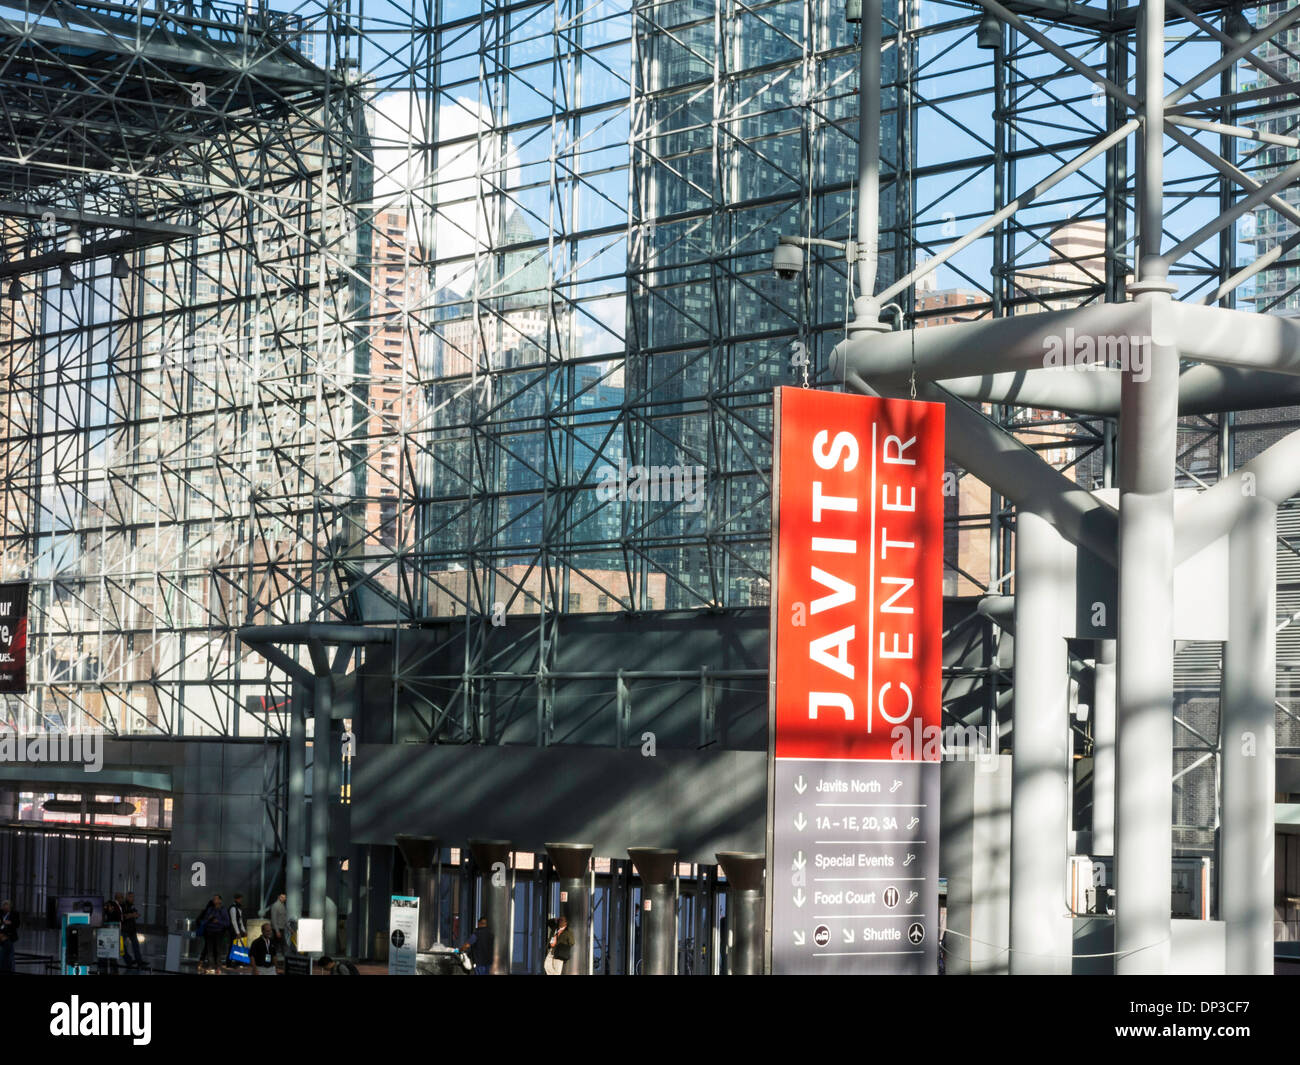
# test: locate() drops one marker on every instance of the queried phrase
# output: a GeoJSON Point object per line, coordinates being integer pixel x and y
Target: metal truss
{"type": "Point", "coordinates": [404, 288]}
{"type": "Point", "coordinates": [1212, 148]}
{"type": "Point", "coordinates": [994, 126]}
{"type": "Point", "coordinates": [367, 307]}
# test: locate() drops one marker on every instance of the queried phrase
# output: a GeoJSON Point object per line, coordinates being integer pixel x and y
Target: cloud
{"type": "Point", "coordinates": [457, 186]}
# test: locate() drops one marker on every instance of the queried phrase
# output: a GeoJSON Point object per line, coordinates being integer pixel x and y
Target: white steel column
{"type": "Point", "coordinates": [1144, 736]}
{"type": "Point", "coordinates": [1041, 932]}
{"type": "Point", "coordinates": [1247, 742]}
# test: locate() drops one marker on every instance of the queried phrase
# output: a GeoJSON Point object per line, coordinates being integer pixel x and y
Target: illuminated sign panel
{"type": "Point", "coordinates": [13, 637]}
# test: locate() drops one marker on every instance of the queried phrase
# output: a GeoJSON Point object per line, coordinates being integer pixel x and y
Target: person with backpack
{"type": "Point", "coordinates": [342, 967]}
{"type": "Point", "coordinates": [480, 947]}
{"type": "Point", "coordinates": [214, 926]}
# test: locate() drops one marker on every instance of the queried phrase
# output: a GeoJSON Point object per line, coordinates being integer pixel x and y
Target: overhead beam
{"type": "Point", "coordinates": [204, 55]}
{"type": "Point", "coordinates": [1272, 476]}
{"type": "Point", "coordinates": [1203, 389]}
{"type": "Point", "coordinates": [1014, 471]}
{"type": "Point", "coordinates": [988, 346]}
{"type": "Point", "coordinates": [101, 249]}
{"type": "Point", "coordinates": [16, 209]}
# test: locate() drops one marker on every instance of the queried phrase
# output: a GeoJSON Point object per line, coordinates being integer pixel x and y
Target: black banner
{"type": "Point", "coordinates": [13, 637]}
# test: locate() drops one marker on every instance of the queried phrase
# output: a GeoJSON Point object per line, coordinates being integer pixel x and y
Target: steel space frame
{"type": "Point", "coordinates": [1205, 358]}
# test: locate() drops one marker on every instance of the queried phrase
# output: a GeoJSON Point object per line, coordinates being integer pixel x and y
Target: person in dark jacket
{"type": "Point", "coordinates": [112, 916]}
{"type": "Point", "coordinates": [215, 925]}
{"type": "Point", "coordinates": [130, 915]}
{"type": "Point", "coordinates": [280, 922]}
{"type": "Point", "coordinates": [112, 911]}
{"type": "Point", "coordinates": [262, 952]}
{"type": "Point", "coordinates": [479, 948]}
{"type": "Point", "coordinates": [342, 967]}
{"type": "Point", "coordinates": [238, 929]}
{"type": "Point", "coordinates": [560, 948]}
{"type": "Point", "coordinates": [9, 922]}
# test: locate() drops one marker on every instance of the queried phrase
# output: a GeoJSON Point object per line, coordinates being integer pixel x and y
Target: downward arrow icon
{"type": "Point", "coordinates": [799, 861]}
{"type": "Point", "coordinates": [800, 822]}
{"type": "Point", "coordinates": [798, 939]}
{"type": "Point", "coordinates": [848, 935]}
{"type": "Point", "coordinates": [799, 786]}
{"type": "Point", "coordinates": [799, 898]}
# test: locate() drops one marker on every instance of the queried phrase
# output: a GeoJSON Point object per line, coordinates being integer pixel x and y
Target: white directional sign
{"type": "Point", "coordinates": [854, 888]}
{"type": "Point", "coordinates": [403, 934]}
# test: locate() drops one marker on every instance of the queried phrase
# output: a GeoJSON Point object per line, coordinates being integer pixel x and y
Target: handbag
{"type": "Point", "coordinates": [239, 954]}
{"type": "Point", "coordinates": [466, 963]}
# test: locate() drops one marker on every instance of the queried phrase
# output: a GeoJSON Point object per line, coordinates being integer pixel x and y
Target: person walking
{"type": "Point", "coordinates": [279, 922]}
{"type": "Point", "coordinates": [238, 929]}
{"type": "Point", "coordinates": [262, 952]}
{"type": "Point", "coordinates": [130, 944]}
{"type": "Point", "coordinates": [560, 948]}
{"type": "Point", "coordinates": [215, 926]}
{"type": "Point", "coordinates": [113, 917]}
{"type": "Point", "coordinates": [9, 922]}
{"type": "Point", "coordinates": [479, 947]}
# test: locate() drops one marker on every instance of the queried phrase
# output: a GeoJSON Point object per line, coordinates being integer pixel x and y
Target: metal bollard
{"type": "Point", "coordinates": [492, 858]}
{"type": "Point", "coordinates": [745, 912]}
{"type": "Point", "coordinates": [657, 869]}
{"type": "Point", "coordinates": [572, 862]}
{"type": "Point", "coordinates": [422, 854]}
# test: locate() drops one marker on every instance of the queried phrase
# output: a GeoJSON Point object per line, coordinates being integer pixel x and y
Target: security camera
{"type": "Point", "coordinates": [787, 261]}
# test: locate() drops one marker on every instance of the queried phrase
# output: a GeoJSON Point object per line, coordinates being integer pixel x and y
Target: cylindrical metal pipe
{"type": "Point", "coordinates": [1103, 750]}
{"type": "Point", "coordinates": [295, 829]}
{"type": "Point", "coordinates": [869, 91]}
{"type": "Point", "coordinates": [1041, 940]}
{"type": "Point", "coordinates": [492, 859]}
{"type": "Point", "coordinates": [1247, 741]}
{"type": "Point", "coordinates": [744, 873]}
{"type": "Point", "coordinates": [657, 868]}
{"type": "Point", "coordinates": [421, 856]}
{"type": "Point", "coordinates": [320, 798]}
{"type": "Point", "coordinates": [572, 863]}
{"type": "Point", "coordinates": [1144, 689]}
{"type": "Point", "coordinates": [1151, 204]}
{"type": "Point", "coordinates": [1144, 686]}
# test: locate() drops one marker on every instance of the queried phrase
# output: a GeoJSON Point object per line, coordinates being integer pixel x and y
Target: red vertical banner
{"type": "Point", "coordinates": [858, 575]}
{"type": "Point", "coordinates": [856, 662]}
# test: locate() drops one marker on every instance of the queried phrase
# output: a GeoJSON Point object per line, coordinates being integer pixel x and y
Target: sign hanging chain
{"type": "Point", "coordinates": [913, 381]}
